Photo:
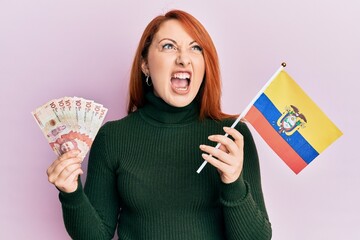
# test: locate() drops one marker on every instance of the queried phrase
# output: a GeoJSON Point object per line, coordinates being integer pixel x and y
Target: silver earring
{"type": "Point", "coordinates": [147, 81]}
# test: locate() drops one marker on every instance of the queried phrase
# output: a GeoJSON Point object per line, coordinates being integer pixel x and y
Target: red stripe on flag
{"type": "Point", "coordinates": [274, 140]}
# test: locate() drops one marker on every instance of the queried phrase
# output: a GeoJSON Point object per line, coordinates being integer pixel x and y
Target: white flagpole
{"type": "Point", "coordinates": [248, 108]}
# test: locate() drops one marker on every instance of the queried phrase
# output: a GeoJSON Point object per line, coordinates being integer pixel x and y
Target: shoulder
{"type": "Point", "coordinates": [125, 126]}
{"type": "Point", "coordinates": [124, 122]}
{"type": "Point", "coordinates": [116, 132]}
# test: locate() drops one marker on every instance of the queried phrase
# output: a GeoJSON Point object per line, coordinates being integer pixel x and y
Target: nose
{"type": "Point", "coordinates": [183, 59]}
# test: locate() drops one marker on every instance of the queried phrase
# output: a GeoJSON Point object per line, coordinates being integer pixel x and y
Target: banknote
{"type": "Point", "coordinates": [70, 123]}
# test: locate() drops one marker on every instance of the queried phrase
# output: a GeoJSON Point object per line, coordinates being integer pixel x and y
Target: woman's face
{"type": "Point", "coordinates": [175, 64]}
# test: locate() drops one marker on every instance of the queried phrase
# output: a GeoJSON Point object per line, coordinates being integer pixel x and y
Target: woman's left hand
{"type": "Point", "coordinates": [228, 159]}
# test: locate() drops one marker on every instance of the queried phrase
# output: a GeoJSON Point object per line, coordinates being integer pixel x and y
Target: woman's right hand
{"type": "Point", "coordinates": [65, 170]}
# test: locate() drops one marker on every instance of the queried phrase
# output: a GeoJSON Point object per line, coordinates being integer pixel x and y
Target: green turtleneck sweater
{"type": "Point", "coordinates": [142, 179]}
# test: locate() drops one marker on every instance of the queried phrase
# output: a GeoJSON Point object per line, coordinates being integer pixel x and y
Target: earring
{"type": "Point", "coordinates": [147, 81]}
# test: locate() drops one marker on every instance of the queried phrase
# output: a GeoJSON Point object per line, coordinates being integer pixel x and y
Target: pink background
{"type": "Point", "coordinates": [51, 49]}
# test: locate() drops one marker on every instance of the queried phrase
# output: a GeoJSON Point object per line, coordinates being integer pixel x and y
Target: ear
{"type": "Point", "coordinates": [144, 67]}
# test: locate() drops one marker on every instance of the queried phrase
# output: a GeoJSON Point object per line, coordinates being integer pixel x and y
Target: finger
{"type": "Point", "coordinates": [69, 184]}
{"type": "Point", "coordinates": [238, 137]}
{"type": "Point", "coordinates": [218, 153]}
{"type": "Point", "coordinates": [54, 171]}
{"type": "Point", "coordinates": [70, 154]}
{"type": "Point", "coordinates": [223, 148]}
{"type": "Point", "coordinates": [74, 176]}
{"type": "Point", "coordinates": [221, 166]}
{"type": "Point", "coordinates": [225, 142]}
{"type": "Point", "coordinates": [65, 173]}
{"type": "Point", "coordinates": [58, 165]}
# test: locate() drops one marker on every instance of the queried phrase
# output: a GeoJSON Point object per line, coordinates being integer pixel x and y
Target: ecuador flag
{"type": "Point", "coordinates": [290, 122]}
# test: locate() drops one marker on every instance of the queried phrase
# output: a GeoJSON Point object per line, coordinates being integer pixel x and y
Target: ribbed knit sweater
{"type": "Point", "coordinates": [142, 180]}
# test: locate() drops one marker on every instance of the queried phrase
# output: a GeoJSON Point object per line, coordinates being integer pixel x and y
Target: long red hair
{"type": "Point", "coordinates": [210, 92]}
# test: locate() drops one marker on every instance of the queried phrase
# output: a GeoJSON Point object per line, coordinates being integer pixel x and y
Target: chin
{"type": "Point", "coordinates": [182, 102]}
{"type": "Point", "coordinates": [179, 105]}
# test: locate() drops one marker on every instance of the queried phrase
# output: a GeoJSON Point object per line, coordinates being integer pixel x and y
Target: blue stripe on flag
{"type": "Point", "coordinates": [296, 140]}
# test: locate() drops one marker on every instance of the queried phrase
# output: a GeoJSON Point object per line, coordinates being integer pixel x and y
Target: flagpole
{"type": "Point", "coordinates": [283, 65]}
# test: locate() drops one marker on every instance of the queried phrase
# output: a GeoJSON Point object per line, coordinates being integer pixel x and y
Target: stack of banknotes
{"type": "Point", "coordinates": [70, 123]}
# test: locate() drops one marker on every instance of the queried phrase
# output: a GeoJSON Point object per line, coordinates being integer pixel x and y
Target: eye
{"type": "Point", "coordinates": [196, 48]}
{"type": "Point", "coordinates": [168, 46]}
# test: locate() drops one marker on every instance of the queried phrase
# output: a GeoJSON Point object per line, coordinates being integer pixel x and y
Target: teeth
{"type": "Point", "coordinates": [181, 75]}
{"type": "Point", "coordinates": [182, 89]}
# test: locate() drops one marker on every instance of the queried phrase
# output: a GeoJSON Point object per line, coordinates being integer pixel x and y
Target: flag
{"type": "Point", "coordinates": [290, 122]}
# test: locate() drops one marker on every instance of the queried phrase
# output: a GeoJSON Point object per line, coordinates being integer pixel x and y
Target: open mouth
{"type": "Point", "coordinates": [180, 81]}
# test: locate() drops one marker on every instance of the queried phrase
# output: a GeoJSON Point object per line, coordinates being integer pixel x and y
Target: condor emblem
{"type": "Point", "coordinates": [291, 120]}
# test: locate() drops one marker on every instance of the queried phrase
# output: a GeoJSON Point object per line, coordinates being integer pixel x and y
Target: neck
{"type": "Point", "coordinates": [157, 111]}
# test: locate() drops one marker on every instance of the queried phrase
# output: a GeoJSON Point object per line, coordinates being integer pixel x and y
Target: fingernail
{"type": "Point", "coordinates": [211, 137]}
{"type": "Point", "coordinates": [226, 128]}
{"type": "Point", "coordinates": [202, 146]}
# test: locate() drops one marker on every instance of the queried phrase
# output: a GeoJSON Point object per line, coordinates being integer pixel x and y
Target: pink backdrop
{"type": "Point", "coordinates": [50, 49]}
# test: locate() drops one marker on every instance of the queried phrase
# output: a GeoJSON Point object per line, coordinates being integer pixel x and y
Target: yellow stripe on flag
{"type": "Point", "coordinates": [319, 130]}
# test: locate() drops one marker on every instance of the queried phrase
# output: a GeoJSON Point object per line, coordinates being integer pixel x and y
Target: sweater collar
{"type": "Point", "coordinates": [157, 111]}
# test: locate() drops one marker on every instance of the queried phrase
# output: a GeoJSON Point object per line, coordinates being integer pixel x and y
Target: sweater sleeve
{"type": "Point", "coordinates": [244, 209]}
{"type": "Point", "coordinates": [92, 212]}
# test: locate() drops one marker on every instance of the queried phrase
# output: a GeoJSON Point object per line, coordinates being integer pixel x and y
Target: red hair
{"type": "Point", "coordinates": [210, 92]}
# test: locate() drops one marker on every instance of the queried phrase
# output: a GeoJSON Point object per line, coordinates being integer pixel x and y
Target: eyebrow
{"type": "Point", "coordinates": [172, 40]}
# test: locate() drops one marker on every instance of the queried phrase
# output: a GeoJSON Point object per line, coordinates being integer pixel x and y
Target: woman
{"type": "Point", "coordinates": [141, 173]}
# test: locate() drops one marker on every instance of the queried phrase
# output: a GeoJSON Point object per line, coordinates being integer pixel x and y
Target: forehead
{"type": "Point", "coordinates": [172, 29]}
